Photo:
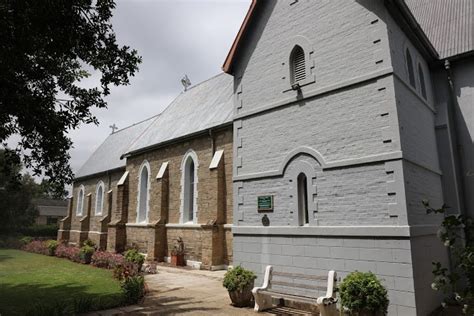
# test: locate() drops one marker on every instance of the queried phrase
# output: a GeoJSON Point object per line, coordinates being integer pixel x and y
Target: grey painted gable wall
{"type": "Point", "coordinates": [368, 139]}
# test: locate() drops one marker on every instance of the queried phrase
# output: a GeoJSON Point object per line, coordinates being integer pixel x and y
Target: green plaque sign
{"type": "Point", "coordinates": [265, 203]}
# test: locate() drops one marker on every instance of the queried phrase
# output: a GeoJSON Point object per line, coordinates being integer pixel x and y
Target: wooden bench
{"type": "Point", "coordinates": [294, 282]}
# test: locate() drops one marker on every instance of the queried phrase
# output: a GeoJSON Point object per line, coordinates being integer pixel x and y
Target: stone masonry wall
{"type": "Point", "coordinates": [90, 186]}
{"type": "Point", "coordinates": [207, 193]}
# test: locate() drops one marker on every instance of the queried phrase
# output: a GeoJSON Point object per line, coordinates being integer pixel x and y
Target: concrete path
{"type": "Point", "coordinates": [175, 291]}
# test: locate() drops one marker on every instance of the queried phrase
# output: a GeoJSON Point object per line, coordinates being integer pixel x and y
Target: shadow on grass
{"type": "Point", "coordinates": [5, 257]}
{"type": "Point", "coordinates": [64, 299]}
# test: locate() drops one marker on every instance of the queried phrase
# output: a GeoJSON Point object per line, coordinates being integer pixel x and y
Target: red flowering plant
{"type": "Point", "coordinates": [71, 253]}
{"type": "Point", "coordinates": [37, 246]}
{"type": "Point", "coordinates": [107, 260]}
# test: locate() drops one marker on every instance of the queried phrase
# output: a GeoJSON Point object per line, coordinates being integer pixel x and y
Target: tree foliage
{"type": "Point", "coordinates": [45, 49]}
{"type": "Point", "coordinates": [16, 193]}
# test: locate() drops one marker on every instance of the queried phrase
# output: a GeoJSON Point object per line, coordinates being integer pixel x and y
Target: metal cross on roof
{"type": "Point", "coordinates": [113, 127]}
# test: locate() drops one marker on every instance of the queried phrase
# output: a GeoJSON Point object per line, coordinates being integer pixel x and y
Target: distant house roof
{"type": "Point", "coordinates": [205, 105]}
{"type": "Point", "coordinates": [47, 207]}
{"type": "Point", "coordinates": [449, 24]}
{"type": "Point", "coordinates": [107, 156]}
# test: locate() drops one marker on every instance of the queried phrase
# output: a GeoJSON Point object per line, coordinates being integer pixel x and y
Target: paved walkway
{"type": "Point", "coordinates": [175, 291]}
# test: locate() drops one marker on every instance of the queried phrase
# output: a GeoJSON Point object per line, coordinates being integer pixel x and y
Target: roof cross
{"type": "Point", "coordinates": [113, 127]}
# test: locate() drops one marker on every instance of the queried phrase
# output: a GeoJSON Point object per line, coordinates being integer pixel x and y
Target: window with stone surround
{"type": "Point", "coordinates": [411, 71]}
{"type": "Point", "coordinates": [303, 214]}
{"type": "Point", "coordinates": [99, 198]}
{"type": "Point", "coordinates": [189, 180]}
{"type": "Point", "coordinates": [143, 193]}
{"type": "Point", "coordinates": [80, 201]}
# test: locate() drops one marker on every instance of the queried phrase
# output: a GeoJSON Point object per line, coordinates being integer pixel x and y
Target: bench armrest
{"type": "Point", "coordinates": [329, 298]}
{"type": "Point", "coordinates": [266, 280]}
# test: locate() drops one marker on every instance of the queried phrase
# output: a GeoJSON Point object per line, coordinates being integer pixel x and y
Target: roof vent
{"type": "Point", "coordinates": [186, 82]}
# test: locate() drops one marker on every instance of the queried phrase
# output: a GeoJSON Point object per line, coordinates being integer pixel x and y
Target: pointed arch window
{"type": "Point", "coordinates": [297, 65]}
{"type": "Point", "coordinates": [99, 198]}
{"type": "Point", "coordinates": [143, 193]}
{"type": "Point", "coordinates": [411, 71]}
{"type": "Point", "coordinates": [189, 187]}
{"type": "Point", "coordinates": [422, 81]}
{"type": "Point", "coordinates": [302, 191]}
{"type": "Point", "coordinates": [80, 201]}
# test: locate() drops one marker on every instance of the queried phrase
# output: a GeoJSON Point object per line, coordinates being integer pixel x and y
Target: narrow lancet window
{"type": "Point", "coordinates": [298, 65]}
{"type": "Point", "coordinates": [303, 213]}
{"type": "Point", "coordinates": [411, 71]}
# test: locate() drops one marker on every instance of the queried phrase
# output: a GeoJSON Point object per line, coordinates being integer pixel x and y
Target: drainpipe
{"type": "Point", "coordinates": [456, 149]}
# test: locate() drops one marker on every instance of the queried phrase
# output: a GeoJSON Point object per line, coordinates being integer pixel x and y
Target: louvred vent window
{"type": "Point", "coordinates": [298, 65]}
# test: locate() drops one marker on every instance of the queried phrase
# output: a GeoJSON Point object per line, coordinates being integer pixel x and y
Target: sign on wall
{"type": "Point", "coordinates": [265, 203]}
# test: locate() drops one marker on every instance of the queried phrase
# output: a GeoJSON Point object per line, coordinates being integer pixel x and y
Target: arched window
{"type": "Point", "coordinates": [80, 201]}
{"type": "Point", "coordinates": [143, 193]}
{"type": "Point", "coordinates": [303, 214]}
{"type": "Point", "coordinates": [297, 65]}
{"type": "Point", "coordinates": [99, 198]}
{"type": "Point", "coordinates": [411, 71]}
{"type": "Point", "coordinates": [422, 81]}
{"type": "Point", "coordinates": [189, 184]}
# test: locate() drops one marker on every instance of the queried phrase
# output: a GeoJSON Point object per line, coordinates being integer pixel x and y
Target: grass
{"type": "Point", "coordinates": [37, 284]}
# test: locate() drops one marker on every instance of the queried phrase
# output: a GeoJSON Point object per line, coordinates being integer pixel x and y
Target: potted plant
{"type": "Point", "coordinates": [177, 254]}
{"type": "Point", "coordinates": [85, 254]}
{"type": "Point", "coordinates": [363, 294]}
{"type": "Point", "coordinates": [239, 282]}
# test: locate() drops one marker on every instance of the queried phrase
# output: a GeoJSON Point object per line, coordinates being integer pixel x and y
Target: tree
{"type": "Point", "coordinates": [16, 193]}
{"type": "Point", "coordinates": [45, 49]}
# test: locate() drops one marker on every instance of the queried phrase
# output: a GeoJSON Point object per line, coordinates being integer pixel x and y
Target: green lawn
{"type": "Point", "coordinates": [31, 282]}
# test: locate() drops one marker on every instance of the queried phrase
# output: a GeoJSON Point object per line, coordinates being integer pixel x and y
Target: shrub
{"type": "Point", "coordinates": [457, 234]}
{"type": "Point", "coordinates": [11, 242]}
{"type": "Point", "coordinates": [86, 253]}
{"type": "Point", "coordinates": [362, 292]}
{"type": "Point", "coordinates": [37, 246]}
{"type": "Point", "coordinates": [126, 270]}
{"type": "Point", "coordinates": [238, 278]}
{"type": "Point", "coordinates": [89, 242]}
{"type": "Point", "coordinates": [107, 260]}
{"type": "Point", "coordinates": [132, 255]}
{"type": "Point", "coordinates": [71, 253]}
{"type": "Point", "coordinates": [40, 231]}
{"type": "Point", "coordinates": [26, 240]}
{"type": "Point", "coordinates": [52, 245]}
{"type": "Point", "coordinates": [133, 289]}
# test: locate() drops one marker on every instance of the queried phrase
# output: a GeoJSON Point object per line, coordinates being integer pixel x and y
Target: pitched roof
{"type": "Point", "coordinates": [107, 156]}
{"type": "Point", "coordinates": [205, 105]}
{"type": "Point", "coordinates": [49, 207]}
{"type": "Point", "coordinates": [449, 24]}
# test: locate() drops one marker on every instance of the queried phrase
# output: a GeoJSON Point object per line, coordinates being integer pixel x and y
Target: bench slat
{"type": "Point", "coordinates": [300, 298]}
{"type": "Point", "coordinates": [299, 285]}
{"type": "Point", "coordinates": [300, 276]}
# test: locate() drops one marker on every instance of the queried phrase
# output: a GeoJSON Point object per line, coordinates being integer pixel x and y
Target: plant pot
{"type": "Point", "coordinates": [242, 298]}
{"type": "Point", "coordinates": [177, 260]}
{"type": "Point", "coordinates": [86, 257]}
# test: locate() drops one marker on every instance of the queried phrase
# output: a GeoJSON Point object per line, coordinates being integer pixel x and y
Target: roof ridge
{"type": "Point", "coordinates": [204, 81]}
{"type": "Point", "coordinates": [139, 122]}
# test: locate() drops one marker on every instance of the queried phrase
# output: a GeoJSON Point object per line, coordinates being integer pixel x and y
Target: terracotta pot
{"type": "Point", "coordinates": [177, 260]}
{"type": "Point", "coordinates": [242, 298]}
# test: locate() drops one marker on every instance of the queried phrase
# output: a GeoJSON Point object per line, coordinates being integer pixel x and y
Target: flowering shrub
{"type": "Point", "coordinates": [71, 253]}
{"type": "Point", "coordinates": [126, 270]}
{"type": "Point", "coordinates": [52, 245]}
{"type": "Point", "coordinates": [132, 255]}
{"type": "Point", "coordinates": [107, 260]}
{"type": "Point", "coordinates": [37, 246]}
{"type": "Point", "coordinates": [457, 234]}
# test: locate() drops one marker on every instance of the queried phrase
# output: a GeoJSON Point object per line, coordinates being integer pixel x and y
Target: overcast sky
{"type": "Point", "coordinates": [174, 38]}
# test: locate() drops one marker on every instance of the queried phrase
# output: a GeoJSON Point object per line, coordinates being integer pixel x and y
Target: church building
{"type": "Point", "coordinates": [167, 177]}
{"type": "Point", "coordinates": [313, 151]}
{"type": "Point", "coordinates": [347, 115]}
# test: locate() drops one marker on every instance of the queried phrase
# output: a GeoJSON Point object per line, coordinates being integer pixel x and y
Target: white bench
{"type": "Point", "coordinates": [326, 304]}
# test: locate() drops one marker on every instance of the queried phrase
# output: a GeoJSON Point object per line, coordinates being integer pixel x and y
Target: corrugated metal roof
{"type": "Point", "coordinates": [205, 105]}
{"type": "Point", "coordinates": [449, 24]}
{"type": "Point", "coordinates": [107, 156]}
